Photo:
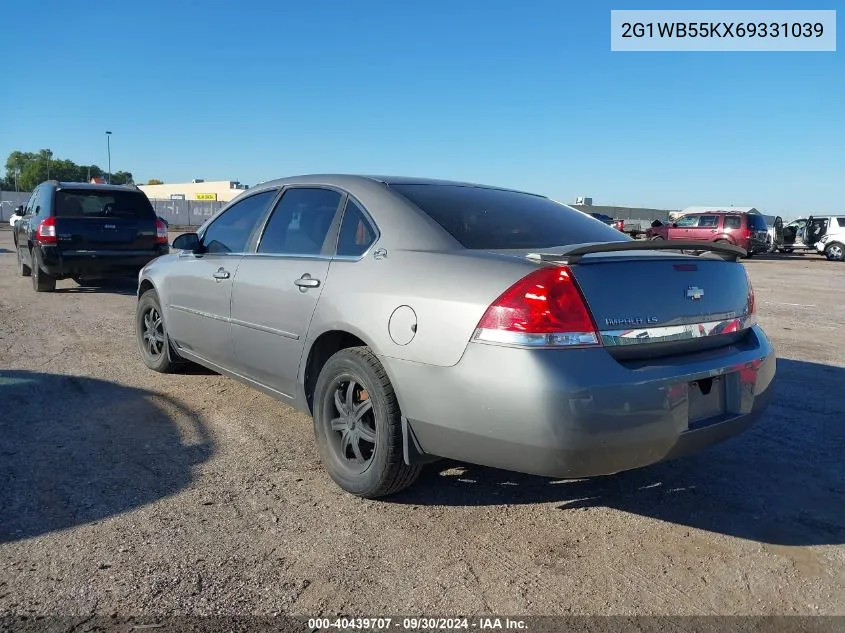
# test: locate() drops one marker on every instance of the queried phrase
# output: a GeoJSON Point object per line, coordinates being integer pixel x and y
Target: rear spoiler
{"type": "Point", "coordinates": [574, 254]}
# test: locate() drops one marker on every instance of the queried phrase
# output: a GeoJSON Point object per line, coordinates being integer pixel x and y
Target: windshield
{"type": "Point", "coordinates": [81, 203]}
{"type": "Point", "coordinates": [493, 219]}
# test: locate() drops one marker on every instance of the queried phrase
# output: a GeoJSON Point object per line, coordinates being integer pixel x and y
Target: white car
{"type": "Point", "coordinates": [832, 243]}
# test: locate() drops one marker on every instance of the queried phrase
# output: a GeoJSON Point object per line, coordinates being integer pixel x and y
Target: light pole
{"type": "Point", "coordinates": [108, 148]}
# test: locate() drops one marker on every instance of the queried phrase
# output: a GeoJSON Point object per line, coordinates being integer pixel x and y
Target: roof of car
{"type": "Point", "coordinates": [94, 186]}
{"type": "Point", "coordinates": [345, 179]}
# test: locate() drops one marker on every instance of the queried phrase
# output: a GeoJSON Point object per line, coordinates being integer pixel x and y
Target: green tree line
{"type": "Point", "coordinates": [30, 169]}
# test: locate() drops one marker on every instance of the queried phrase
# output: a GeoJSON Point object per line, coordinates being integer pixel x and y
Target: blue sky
{"type": "Point", "coordinates": [522, 94]}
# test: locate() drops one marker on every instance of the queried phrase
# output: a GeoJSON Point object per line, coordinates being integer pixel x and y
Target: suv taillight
{"type": "Point", "coordinates": [543, 309]}
{"type": "Point", "coordinates": [46, 231]}
{"type": "Point", "coordinates": [161, 232]}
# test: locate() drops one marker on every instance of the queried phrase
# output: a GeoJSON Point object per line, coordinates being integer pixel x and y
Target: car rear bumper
{"type": "Point", "coordinates": [580, 413]}
{"type": "Point", "coordinates": [72, 263]}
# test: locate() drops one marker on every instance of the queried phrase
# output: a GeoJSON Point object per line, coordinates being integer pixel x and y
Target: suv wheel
{"type": "Point", "coordinates": [835, 252]}
{"type": "Point", "coordinates": [41, 281]}
{"type": "Point", "coordinates": [358, 426]}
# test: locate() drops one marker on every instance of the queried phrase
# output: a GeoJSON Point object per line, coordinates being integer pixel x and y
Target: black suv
{"type": "Point", "coordinates": [78, 230]}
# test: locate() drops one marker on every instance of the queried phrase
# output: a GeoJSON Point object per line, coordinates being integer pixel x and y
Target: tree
{"type": "Point", "coordinates": [121, 178]}
{"type": "Point", "coordinates": [155, 181]}
{"type": "Point", "coordinates": [33, 168]}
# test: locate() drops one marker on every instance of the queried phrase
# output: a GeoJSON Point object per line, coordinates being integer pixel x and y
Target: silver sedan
{"type": "Point", "coordinates": [417, 319]}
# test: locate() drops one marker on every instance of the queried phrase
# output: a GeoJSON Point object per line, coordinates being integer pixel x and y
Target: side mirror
{"type": "Point", "coordinates": [674, 225]}
{"type": "Point", "coordinates": [19, 210]}
{"type": "Point", "coordinates": [187, 242]}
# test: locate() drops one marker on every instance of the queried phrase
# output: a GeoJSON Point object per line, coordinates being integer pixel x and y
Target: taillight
{"type": "Point", "coordinates": [751, 302]}
{"type": "Point", "coordinates": [543, 309]}
{"type": "Point", "coordinates": [46, 231]}
{"type": "Point", "coordinates": [620, 224]}
{"type": "Point", "coordinates": [161, 232]}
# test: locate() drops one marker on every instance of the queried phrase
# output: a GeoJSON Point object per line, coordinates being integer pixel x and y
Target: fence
{"type": "Point", "coordinates": [176, 212]}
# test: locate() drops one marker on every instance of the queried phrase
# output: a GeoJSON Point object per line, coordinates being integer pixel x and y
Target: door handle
{"type": "Point", "coordinates": [306, 281]}
{"type": "Point", "coordinates": [221, 274]}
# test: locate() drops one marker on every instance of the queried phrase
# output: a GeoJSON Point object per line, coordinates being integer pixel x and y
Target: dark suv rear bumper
{"type": "Point", "coordinates": [104, 263]}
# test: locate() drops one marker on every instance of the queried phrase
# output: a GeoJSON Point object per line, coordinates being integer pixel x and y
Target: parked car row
{"type": "Point", "coordinates": [758, 233]}
{"type": "Point", "coordinates": [415, 320]}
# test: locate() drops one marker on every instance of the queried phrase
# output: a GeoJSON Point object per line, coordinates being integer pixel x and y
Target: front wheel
{"type": "Point", "coordinates": [23, 269]}
{"type": "Point", "coordinates": [835, 252]}
{"type": "Point", "coordinates": [151, 334]}
{"type": "Point", "coordinates": [358, 426]}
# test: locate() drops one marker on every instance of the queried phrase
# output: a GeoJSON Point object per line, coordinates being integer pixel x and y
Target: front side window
{"type": "Point", "coordinates": [708, 221]}
{"type": "Point", "coordinates": [231, 230]}
{"type": "Point", "coordinates": [493, 219]}
{"type": "Point", "coordinates": [840, 222]}
{"type": "Point", "coordinates": [733, 222]}
{"type": "Point", "coordinates": [686, 222]}
{"type": "Point", "coordinates": [356, 233]}
{"type": "Point", "coordinates": [300, 222]}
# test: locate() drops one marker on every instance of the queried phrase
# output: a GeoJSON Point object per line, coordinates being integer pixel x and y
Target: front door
{"type": "Point", "coordinates": [681, 228]}
{"type": "Point", "coordinates": [276, 289]}
{"type": "Point", "coordinates": [199, 288]}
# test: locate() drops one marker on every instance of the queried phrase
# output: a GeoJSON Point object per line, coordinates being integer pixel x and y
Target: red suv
{"type": "Point", "coordinates": [746, 230]}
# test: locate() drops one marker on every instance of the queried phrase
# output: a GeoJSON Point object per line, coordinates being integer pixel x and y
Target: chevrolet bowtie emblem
{"type": "Point", "coordinates": [695, 293]}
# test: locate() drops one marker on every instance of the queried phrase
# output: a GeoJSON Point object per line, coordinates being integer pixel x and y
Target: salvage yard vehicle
{"type": "Point", "coordinates": [746, 230]}
{"type": "Point", "coordinates": [831, 243]}
{"type": "Point", "coordinates": [81, 231]}
{"type": "Point", "coordinates": [421, 319]}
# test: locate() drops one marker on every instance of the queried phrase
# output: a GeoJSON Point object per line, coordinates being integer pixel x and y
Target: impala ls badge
{"type": "Point", "coordinates": [695, 293]}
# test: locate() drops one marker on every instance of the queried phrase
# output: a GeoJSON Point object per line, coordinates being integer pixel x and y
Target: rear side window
{"type": "Point", "coordinates": [841, 222]}
{"type": "Point", "coordinates": [733, 222]}
{"type": "Point", "coordinates": [482, 218]}
{"type": "Point", "coordinates": [757, 223]}
{"type": "Point", "coordinates": [356, 233]}
{"type": "Point", "coordinates": [81, 203]}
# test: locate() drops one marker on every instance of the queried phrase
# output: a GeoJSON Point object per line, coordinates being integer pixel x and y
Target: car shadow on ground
{"type": "Point", "coordinates": [75, 450]}
{"type": "Point", "coordinates": [121, 286]}
{"type": "Point", "coordinates": [781, 482]}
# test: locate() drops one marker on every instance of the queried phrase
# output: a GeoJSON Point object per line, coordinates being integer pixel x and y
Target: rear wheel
{"type": "Point", "coordinates": [152, 335]}
{"type": "Point", "coordinates": [358, 426]}
{"type": "Point", "coordinates": [658, 237]}
{"type": "Point", "coordinates": [835, 252]}
{"type": "Point", "coordinates": [41, 281]}
{"type": "Point", "coordinates": [23, 269]}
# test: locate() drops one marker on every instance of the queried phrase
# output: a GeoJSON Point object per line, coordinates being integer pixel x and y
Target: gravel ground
{"type": "Point", "coordinates": [126, 492]}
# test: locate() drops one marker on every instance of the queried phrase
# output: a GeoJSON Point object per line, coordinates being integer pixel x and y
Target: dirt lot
{"type": "Point", "coordinates": [123, 491]}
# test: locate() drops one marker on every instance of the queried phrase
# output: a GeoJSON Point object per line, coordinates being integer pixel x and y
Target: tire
{"type": "Point", "coordinates": [786, 250]}
{"type": "Point", "coordinates": [658, 237]}
{"type": "Point", "coordinates": [23, 269]}
{"type": "Point", "coordinates": [41, 281]}
{"type": "Point", "coordinates": [152, 335]}
{"type": "Point", "coordinates": [365, 467]}
{"type": "Point", "coordinates": [835, 252]}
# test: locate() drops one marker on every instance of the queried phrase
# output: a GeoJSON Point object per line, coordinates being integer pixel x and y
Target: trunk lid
{"type": "Point", "coordinates": [647, 304]}
{"type": "Point", "coordinates": [91, 219]}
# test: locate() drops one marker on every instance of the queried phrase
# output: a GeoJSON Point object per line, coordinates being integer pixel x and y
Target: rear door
{"type": "Point", "coordinates": [277, 287]}
{"type": "Point", "coordinates": [199, 285]}
{"type": "Point", "coordinates": [706, 230]}
{"type": "Point", "coordinates": [104, 220]}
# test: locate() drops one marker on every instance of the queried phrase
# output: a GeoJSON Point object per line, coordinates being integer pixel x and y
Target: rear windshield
{"type": "Point", "coordinates": [757, 222]}
{"type": "Point", "coordinates": [492, 219]}
{"type": "Point", "coordinates": [81, 203]}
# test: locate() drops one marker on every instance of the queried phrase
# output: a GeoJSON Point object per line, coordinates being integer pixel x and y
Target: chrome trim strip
{"type": "Point", "coordinates": [671, 333]}
{"type": "Point", "coordinates": [264, 328]}
{"type": "Point", "coordinates": [207, 315]}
